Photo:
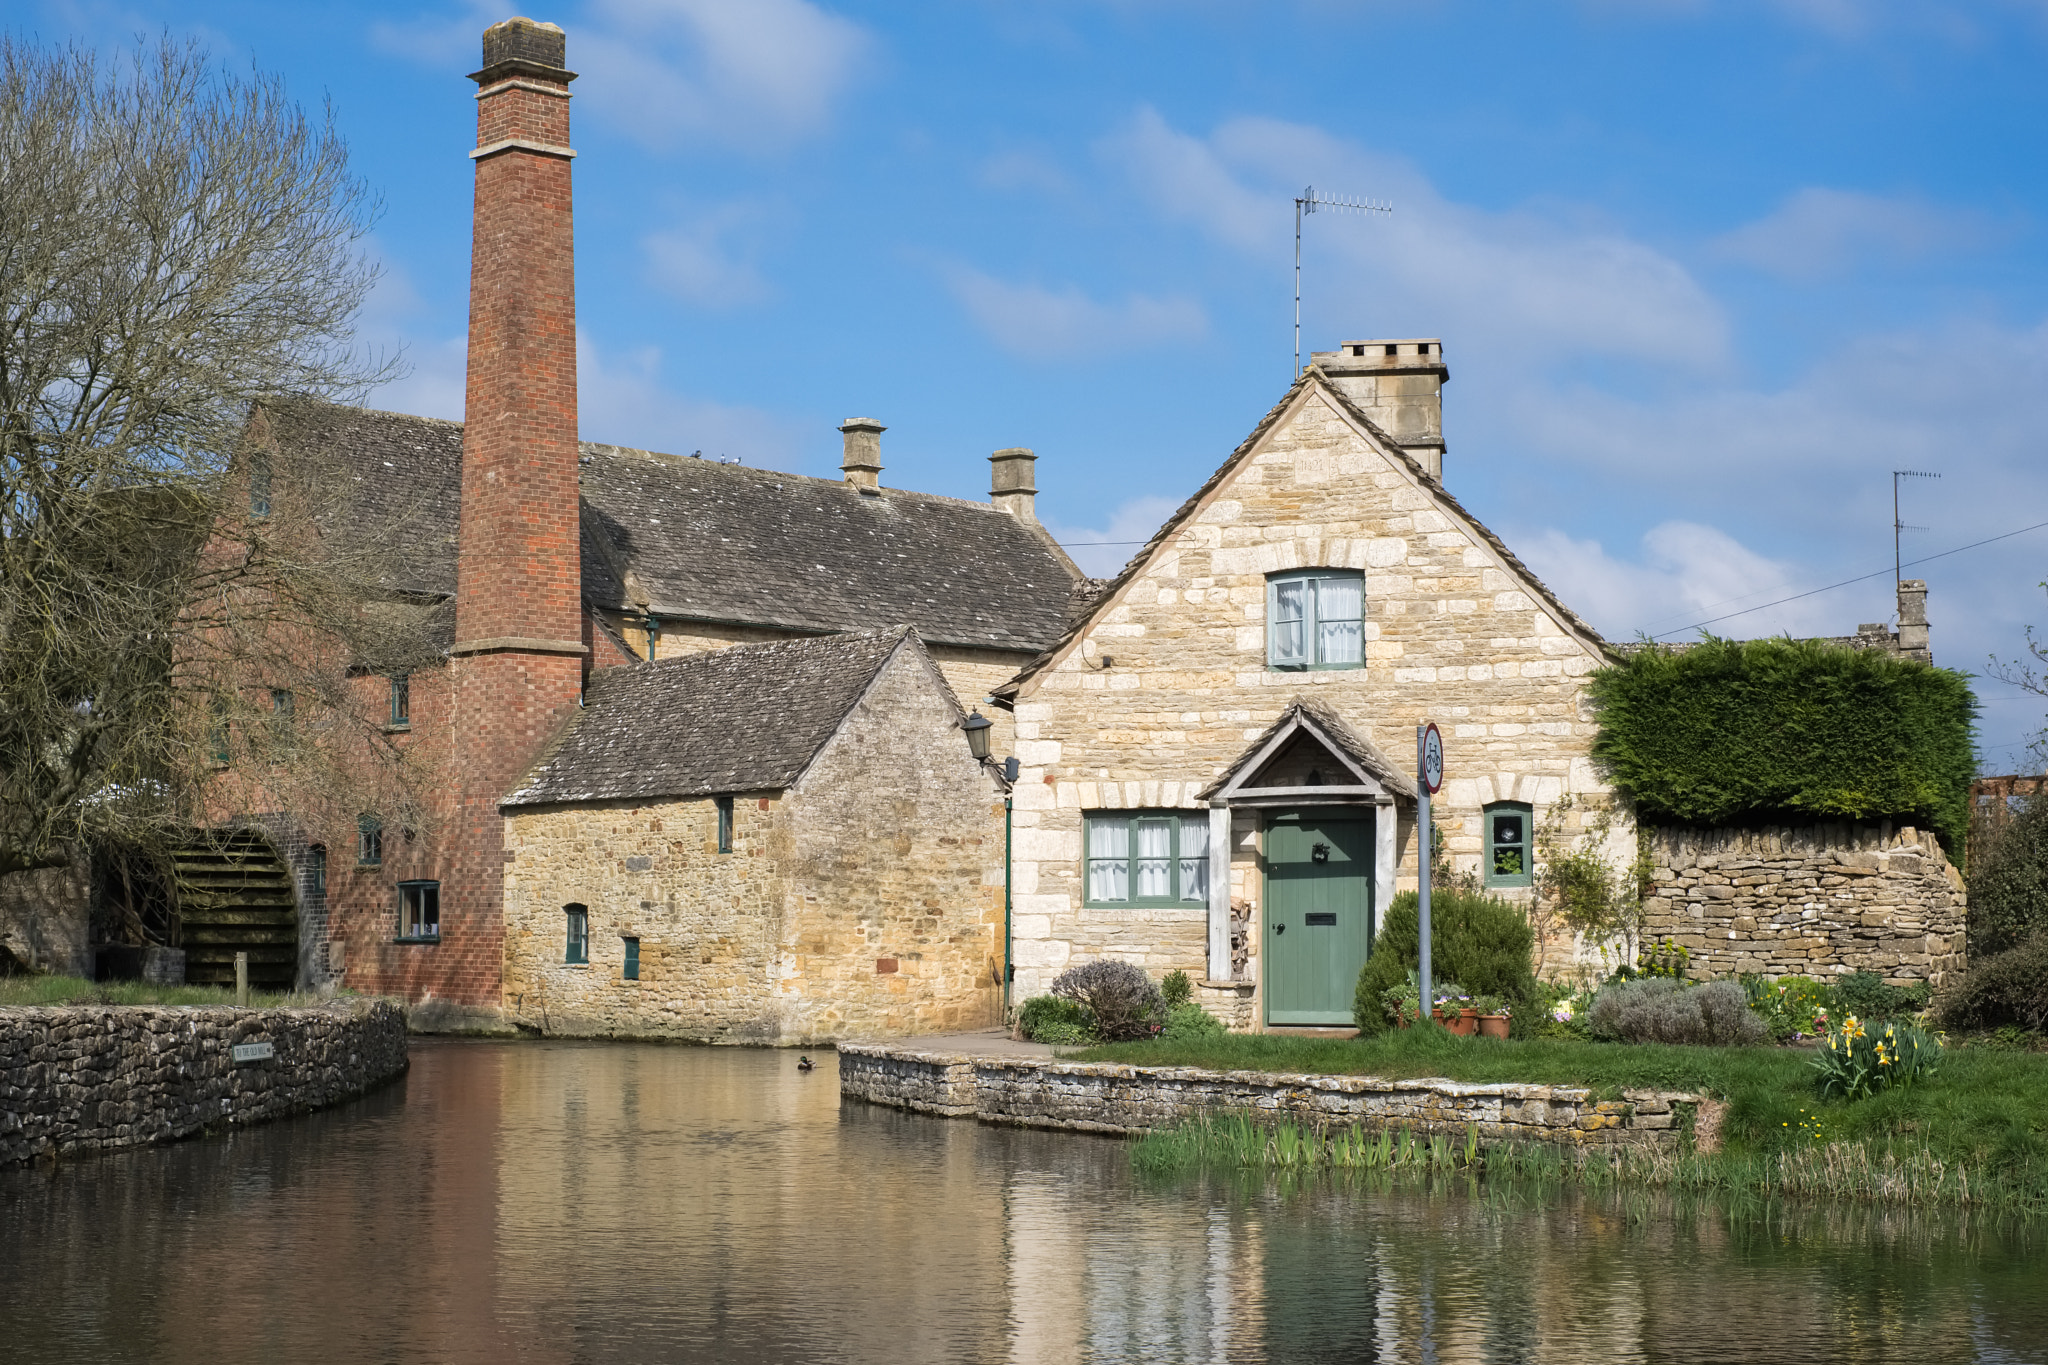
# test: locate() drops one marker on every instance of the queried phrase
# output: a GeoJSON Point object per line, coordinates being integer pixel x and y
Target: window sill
{"type": "Point", "coordinates": [1202, 904]}
{"type": "Point", "coordinates": [398, 728]}
{"type": "Point", "coordinates": [577, 966]}
{"type": "Point", "coordinates": [417, 938]}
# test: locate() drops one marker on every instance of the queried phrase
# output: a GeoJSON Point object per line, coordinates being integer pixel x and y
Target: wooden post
{"type": "Point", "coordinates": [242, 980]}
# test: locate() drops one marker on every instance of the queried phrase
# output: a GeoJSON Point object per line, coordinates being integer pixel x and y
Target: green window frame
{"type": "Point", "coordinates": [419, 912]}
{"type": "Point", "coordinates": [1315, 619]}
{"type": "Point", "coordinates": [369, 841]}
{"type": "Point", "coordinates": [1145, 857]}
{"type": "Point", "coordinates": [401, 699]}
{"type": "Point", "coordinates": [576, 938]}
{"type": "Point", "coordinates": [724, 805]}
{"type": "Point", "coordinates": [1510, 844]}
{"type": "Point", "coordinates": [631, 971]}
{"type": "Point", "coordinates": [316, 870]}
{"type": "Point", "coordinates": [259, 486]}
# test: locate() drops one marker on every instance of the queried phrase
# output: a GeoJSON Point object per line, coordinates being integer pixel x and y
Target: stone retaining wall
{"type": "Point", "coordinates": [1096, 1097]}
{"type": "Point", "coordinates": [94, 1078]}
{"type": "Point", "coordinates": [1808, 901]}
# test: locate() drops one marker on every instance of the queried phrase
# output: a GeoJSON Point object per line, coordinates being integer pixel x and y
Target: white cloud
{"type": "Point", "coordinates": [707, 261]}
{"type": "Point", "coordinates": [1103, 550]}
{"type": "Point", "coordinates": [755, 76]}
{"type": "Point", "coordinates": [1544, 278]}
{"type": "Point", "coordinates": [1819, 232]}
{"type": "Point", "coordinates": [1037, 323]}
{"type": "Point", "coordinates": [1684, 573]}
{"type": "Point", "coordinates": [1025, 172]}
{"type": "Point", "coordinates": [439, 40]}
{"type": "Point", "coordinates": [621, 400]}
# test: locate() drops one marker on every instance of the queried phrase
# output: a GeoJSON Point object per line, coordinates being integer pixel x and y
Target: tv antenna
{"type": "Point", "coordinates": [1308, 201]}
{"type": "Point", "coordinates": [1899, 527]}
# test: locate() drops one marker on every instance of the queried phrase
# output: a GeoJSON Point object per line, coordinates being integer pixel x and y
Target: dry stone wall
{"type": "Point", "coordinates": [1107, 1098]}
{"type": "Point", "coordinates": [1817, 900]}
{"type": "Point", "coordinates": [97, 1078]}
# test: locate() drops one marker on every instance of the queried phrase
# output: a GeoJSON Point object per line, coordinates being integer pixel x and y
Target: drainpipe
{"type": "Point", "coordinates": [1009, 971]}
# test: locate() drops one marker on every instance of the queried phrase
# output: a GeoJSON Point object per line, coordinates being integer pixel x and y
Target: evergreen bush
{"type": "Point", "coordinates": [2009, 883]}
{"type": "Point", "coordinates": [1124, 1002]}
{"type": "Point", "coordinates": [1866, 996]}
{"type": "Point", "coordinates": [1187, 1020]}
{"type": "Point", "coordinates": [1658, 1009]}
{"type": "Point", "coordinates": [1060, 1022]}
{"type": "Point", "coordinates": [2001, 991]}
{"type": "Point", "coordinates": [1755, 730]}
{"type": "Point", "coordinates": [1477, 940]}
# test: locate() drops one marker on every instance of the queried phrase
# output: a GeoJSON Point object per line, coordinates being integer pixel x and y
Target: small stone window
{"type": "Point", "coordinates": [369, 841]}
{"type": "Point", "coordinates": [576, 946]}
{"type": "Point", "coordinates": [724, 804]}
{"type": "Point", "coordinates": [1315, 619]}
{"type": "Point", "coordinates": [1510, 859]}
{"type": "Point", "coordinates": [631, 971]}
{"type": "Point", "coordinates": [259, 486]}
{"type": "Point", "coordinates": [1147, 858]}
{"type": "Point", "coordinates": [401, 699]}
{"type": "Point", "coordinates": [419, 912]}
{"type": "Point", "coordinates": [316, 870]}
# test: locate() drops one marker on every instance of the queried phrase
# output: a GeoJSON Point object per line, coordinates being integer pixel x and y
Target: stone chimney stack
{"type": "Point", "coordinates": [862, 464]}
{"type": "Point", "coordinates": [1913, 620]}
{"type": "Point", "coordinates": [1400, 386]}
{"type": "Point", "coordinates": [1011, 485]}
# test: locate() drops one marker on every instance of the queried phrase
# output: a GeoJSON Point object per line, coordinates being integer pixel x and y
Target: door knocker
{"type": "Point", "coordinates": [1320, 853]}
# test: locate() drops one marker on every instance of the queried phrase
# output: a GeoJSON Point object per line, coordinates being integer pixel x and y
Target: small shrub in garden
{"type": "Point", "coordinates": [1661, 1010]}
{"type": "Point", "coordinates": [1063, 1023]}
{"type": "Point", "coordinates": [1858, 1060]}
{"type": "Point", "coordinates": [2003, 990]}
{"type": "Point", "coordinates": [1792, 1007]}
{"type": "Point", "coordinates": [1481, 941]}
{"type": "Point", "coordinates": [1123, 1000]}
{"type": "Point", "coordinates": [1175, 990]}
{"type": "Point", "coordinates": [1865, 995]}
{"type": "Point", "coordinates": [1188, 1020]}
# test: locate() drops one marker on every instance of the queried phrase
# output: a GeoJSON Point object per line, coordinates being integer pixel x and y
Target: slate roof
{"type": "Point", "coordinates": [697, 539]}
{"type": "Point", "coordinates": [1342, 737]}
{"type": "Point", "coordinates": [747, 718]}
{"type": "Point", "coordinates": [1078, 622]}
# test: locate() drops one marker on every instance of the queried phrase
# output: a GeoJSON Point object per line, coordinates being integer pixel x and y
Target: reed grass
{"type": "Point", "coordinates": [76, 990]}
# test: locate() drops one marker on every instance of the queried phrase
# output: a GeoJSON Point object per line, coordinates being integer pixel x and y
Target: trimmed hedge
{"type": "Point", "coordinates": [1733, 731]}
{"type": "Point", "coordinates": [1481, 942]}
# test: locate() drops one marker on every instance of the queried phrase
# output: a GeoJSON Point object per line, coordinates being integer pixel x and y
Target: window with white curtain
{"type": "Point", "coordinates": [1147, 858]}
{"type": "Point", "coordinates": [1315, 618]}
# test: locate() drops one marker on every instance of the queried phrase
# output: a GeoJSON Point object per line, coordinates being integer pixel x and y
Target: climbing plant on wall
{"type": "Point", "coordinates": [1731, 731]}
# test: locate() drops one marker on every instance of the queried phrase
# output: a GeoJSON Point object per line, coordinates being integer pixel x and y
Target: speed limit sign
{"type": "Point", "coordinates": [1432, 758]}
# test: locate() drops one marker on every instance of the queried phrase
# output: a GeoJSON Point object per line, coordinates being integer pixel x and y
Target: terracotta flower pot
{"type": "Point", "coordinates": [1464, 1023]}
{"type": "Point", "coordinates": [1493, 1026]}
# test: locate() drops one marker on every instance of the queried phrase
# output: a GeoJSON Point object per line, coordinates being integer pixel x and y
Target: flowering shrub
{"type": "Point", "coordinates": [1793, 1008]}
{"type": "Point", "coordinates": [1856, 1062]}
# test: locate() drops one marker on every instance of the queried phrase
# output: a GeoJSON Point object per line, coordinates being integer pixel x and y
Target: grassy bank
{"type": "Point", "coordinates": [76, 990]}
{"type": "Point", "coordinates": [1976, 1132]}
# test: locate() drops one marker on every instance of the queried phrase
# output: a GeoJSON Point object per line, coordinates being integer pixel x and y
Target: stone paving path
{"type": "Point", "coordinates": [993, 1042]}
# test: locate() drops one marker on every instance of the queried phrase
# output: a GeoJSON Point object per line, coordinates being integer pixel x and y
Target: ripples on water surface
{"type": "Point", "coordinates": [558, 1202]}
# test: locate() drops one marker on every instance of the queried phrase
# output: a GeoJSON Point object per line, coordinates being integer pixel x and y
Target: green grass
{"type": "Point", "coordinates": [1985, 1114]}
{"type": "Point", "coordinates": [76, 990]}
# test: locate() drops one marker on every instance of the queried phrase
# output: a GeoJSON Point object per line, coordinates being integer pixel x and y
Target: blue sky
{"type": "Point", "coordinates": [1706, 271]}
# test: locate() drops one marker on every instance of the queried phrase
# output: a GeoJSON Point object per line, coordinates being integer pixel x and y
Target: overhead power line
{"type": "Point", "coordinates": [1860, 578]}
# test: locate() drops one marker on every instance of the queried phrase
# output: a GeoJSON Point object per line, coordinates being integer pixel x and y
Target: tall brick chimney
{"type": "Point", "coordinates": [518, 652]}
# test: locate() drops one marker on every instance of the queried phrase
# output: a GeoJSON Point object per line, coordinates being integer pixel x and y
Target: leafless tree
{"type": "Point", "coordinates": [2031, 674]}
{"type": "Point", "coordinates": [179, 247]}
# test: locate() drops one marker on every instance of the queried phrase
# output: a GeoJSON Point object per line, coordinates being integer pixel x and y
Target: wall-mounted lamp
{"type": "Point", "coordinates": [653, 628]}
{"type": "Point", "coordinates": [977, 727]}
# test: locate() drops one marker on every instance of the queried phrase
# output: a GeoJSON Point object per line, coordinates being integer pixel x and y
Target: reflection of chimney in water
{"type": "Point", "coordinates": [1400, 386]}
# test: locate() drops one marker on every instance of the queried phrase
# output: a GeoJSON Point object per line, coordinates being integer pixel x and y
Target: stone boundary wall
{"type": "Point", "coordinates": [1816, 900]}
{"type": "Point", "coordinates": [1095, 1097]}
{"type": "Point", "coordinates": [96, 1078]}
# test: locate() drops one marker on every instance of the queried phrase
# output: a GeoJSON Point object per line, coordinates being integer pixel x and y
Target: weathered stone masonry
{"type": "Point", "coordinates": [1106, 1098]}
{"type": "Point", "coordinates": [1812, 901]}
{"type": "Point", "coordinates": [97, 1078]}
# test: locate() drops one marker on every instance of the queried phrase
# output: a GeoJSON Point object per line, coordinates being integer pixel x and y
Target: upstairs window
{"type": "Point", "coordinates": [1316, 619]}
{"type": "Point", "coordinates": [401, 699]}
{"type": "Point", "coordinates": [259, 486]}
{"type": "Point", "coordinates": [369, 841]}
{"type": "Point", "coordinates": [724, 804]}
{"type": "Point", "coordinates": [419, 911]}
{"type": "Point", "coordinates": [576, 944]}
{"type": "Point", "coordinates": [1147, 858]}
{"type": "Point", "coordinates": [1509, 855]}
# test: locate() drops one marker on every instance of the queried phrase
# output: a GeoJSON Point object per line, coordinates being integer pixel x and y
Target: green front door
{"type": "Point", "coordinates": [1318, 912]}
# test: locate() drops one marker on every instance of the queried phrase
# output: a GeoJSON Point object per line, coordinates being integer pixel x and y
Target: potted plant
{"type": "Point", "coordinates": [1453, 1009]}
{"type": "Point", "coordinates": [1493, 1015]}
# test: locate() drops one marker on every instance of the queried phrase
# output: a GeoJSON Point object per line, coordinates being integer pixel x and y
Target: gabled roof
{"type": "Point", "coordinates": [728, 543]}
{"type": "Point", "coordinates": [1311, 376]}
{"type": "Point", "coordinates": [1319, 722]}
{"type": "Point", "coordinates": [748, 718]}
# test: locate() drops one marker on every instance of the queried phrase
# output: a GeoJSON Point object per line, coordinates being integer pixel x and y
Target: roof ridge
{"type": "Point", "coordinates": [764, 470]}
{"type": "Point", "coordinates": [308, 401]}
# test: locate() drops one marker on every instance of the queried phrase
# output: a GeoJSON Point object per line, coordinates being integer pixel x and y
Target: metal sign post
{"type": "Point", "coordinates": [1429, 770]}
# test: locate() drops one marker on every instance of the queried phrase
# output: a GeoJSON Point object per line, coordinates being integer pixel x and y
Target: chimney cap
{"type": "Point", "coordinates": [524, 47]}
{"type": "Point", "coordinates": [862, 424]}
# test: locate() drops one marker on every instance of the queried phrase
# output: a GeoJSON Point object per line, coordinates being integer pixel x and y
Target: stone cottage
{"type": "Point", "coordinates": [1214, 755]}
{"type": "Point", "coordinates": [782, 842]}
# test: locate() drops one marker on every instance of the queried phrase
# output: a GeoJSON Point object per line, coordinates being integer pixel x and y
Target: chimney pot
{"type": "Point", "coordinates": [522, 40]}
{"type": "Point", "coordinates": [1011, 482]}
{"type": "Point", "coordinates": [862, 463]}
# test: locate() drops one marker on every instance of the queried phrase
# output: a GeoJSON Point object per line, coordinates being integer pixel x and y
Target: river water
{"type": "Point", "coordinates": [564, 1202]}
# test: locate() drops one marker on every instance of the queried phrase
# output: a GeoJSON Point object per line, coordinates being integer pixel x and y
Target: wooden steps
{"type": "Point", "coordinates": [235, 895]}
